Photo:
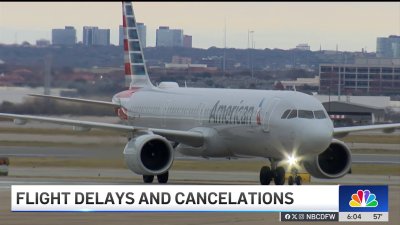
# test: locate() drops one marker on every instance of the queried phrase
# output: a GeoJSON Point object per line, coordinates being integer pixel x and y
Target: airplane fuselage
{"type": "Point", "coordinates": [240, 123]}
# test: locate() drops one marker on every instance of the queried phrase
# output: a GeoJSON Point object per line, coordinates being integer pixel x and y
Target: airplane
{"type": "Point", "coordinates": [286, 128]}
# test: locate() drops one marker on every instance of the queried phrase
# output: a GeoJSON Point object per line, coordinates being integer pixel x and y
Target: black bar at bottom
{"type": "Point", "coordinates": [309, 216]}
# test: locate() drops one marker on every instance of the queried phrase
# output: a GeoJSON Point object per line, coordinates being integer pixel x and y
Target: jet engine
{"type": "Point", "coordinates": [334, 162]}
{"type": "Point", "coordinates": [149, 154]}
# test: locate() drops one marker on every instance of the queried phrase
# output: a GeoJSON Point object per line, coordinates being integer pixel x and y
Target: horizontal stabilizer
{"type": "Point", "coordinates": [190, 138]}
{"type": "Point", "coordinates": [79, 100]}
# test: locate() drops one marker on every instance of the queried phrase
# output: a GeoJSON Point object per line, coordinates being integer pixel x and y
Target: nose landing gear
{"type": "Point", "coordinates": [278, 174]}
{"type": "Point", "coordinates": [294, 177]}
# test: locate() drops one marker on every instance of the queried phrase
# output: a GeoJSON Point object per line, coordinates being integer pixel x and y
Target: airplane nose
{"type": "Point", "coordinates": [315, 138]}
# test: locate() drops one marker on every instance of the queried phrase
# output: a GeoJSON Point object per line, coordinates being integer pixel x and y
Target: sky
{"type": "Point", "coordinates": [349, 25]}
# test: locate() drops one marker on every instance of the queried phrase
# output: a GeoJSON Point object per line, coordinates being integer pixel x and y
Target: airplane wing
{"type": "Point", "coordinates": [339, 132]}
{"type": "Point", "coordinates": [77, 100]}
{"type": "Point", "coordinates": [190, 138]}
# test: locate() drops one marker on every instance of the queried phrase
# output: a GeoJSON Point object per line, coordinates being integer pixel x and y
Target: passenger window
{"type": "Point", "coordinates": [285, 114]}
{"type": "Point", "coordinates": [306, 114]}
{"type": "Point", "coordinates": [293, 114]}
{"type": "Point", "coordinates": [319, 114]}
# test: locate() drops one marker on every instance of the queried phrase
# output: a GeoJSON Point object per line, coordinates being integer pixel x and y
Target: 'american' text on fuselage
{"type": "Point", "coordinates": [231, 114]}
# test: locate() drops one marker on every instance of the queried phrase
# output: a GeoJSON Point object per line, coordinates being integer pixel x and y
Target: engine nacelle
{"type": "Point", "coordinates": [149, 154]}
{"type": "Point", "coordinates": [334, 162]}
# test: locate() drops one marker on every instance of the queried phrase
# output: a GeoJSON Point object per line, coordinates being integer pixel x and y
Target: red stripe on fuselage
{"type": "Point", "coordinates": [126, 48]}
{"type": "Point", "coordinates": [126, 93]}
{"type": "Point", "coordinates": [127, 69]}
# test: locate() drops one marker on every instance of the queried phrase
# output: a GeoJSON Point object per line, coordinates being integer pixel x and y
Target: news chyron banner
{"type": "Point", "coordinates": [295, 203]}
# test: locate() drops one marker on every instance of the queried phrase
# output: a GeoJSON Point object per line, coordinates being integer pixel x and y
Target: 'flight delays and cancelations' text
{"type": "Point", "coordinates": [180, 198]}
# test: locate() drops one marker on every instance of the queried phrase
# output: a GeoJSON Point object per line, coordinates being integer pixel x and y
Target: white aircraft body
{"type": "Point", "coordinates": [280, 126]}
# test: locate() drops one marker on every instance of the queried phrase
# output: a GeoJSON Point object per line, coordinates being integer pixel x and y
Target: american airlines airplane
{"type": "Point", "coordinates": [285, 127]}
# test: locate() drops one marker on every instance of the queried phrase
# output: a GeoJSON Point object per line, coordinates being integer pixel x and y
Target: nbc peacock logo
{"type": "Point", "coordinates": [363, 199]}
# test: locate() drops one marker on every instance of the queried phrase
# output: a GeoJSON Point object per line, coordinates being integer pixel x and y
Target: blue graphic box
{"type": "Point", "coordinates": [367, 198]}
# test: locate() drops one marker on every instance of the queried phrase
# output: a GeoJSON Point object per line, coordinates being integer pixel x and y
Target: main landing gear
{"type": "Point", "coordinates": [276, 173]}
{"type": "Point", "coordinates": [162, 178]}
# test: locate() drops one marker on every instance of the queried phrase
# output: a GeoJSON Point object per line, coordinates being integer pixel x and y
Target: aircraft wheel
{"type": "Point", "coordinates": [148, 178]}
{"type": "Point", "coordinates": [298, 180]}
{"type": "Point", "coordinates": [290, 180]}
{"type": "Point", "coordinates": [163, 178]}
{"type": "Point", "coordinates": [279, 176]}
{"type": "Point", "coordinates": [265, 175]}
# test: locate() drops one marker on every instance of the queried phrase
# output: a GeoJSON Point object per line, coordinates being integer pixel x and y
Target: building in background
{"type": "Point", "coordinates": [95, 36]}
{"type": "Point", "coordinates": [42, 43]}
{"type": "Point", "coordinates": [187, 41]}
{"type": "Point", "coordinates": [367, 76]}
{"type": "Point", "coordinates": [65, 36]}
{"type": "Point", "coordinates": [142, 31]}
{"type": "Point", "coordinates": [353, 114]}
{"type": "Point", "coordinates": [142, 34]}
{"type": "Point", "coordinates": [213, 61]}
{"type": "Point", "coordinates": [303, 47]}
{"type": "Point", "coordinates": [301, 82]}
{"type": "Point", "coordinates": [388, 47]}
{"type": "Point", "coordinates": [103, 37]}
{"type": "Point", "coordinates": [169, 37]}
{"type": "Point", "coordinates": [89, 35]}
{"type": "Point", "coordinates": [181, 60]}
{"type": "Point", "coordinates": [121, 36]}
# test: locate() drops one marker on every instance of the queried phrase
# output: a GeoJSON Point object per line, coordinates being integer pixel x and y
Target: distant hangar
{"type": "Point", "coordinates": [345, 113]}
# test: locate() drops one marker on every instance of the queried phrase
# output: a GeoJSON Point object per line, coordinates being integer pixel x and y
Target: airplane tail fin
{"type": "Point", "coordinates": [135, 68]}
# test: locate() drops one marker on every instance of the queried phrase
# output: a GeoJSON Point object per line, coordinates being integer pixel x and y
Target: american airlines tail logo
{"type": "Point", "coordinates": [258, 117]}
{"type": "Point", "coordinates": [135, 68]}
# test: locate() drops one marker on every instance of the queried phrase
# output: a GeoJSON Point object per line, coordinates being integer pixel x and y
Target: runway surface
{"type": "Point", "coordinates": [125, 176]}
{"type": "Point", "coordinates": [28, 175]}
{"type": "Point", "coordinates": [393, 147]}
{"type": "Point", "coordinates": [108, 152]}
{"type": "Point", "coordinates": [61, 152]}
{"type": "Point", "coordinates": [376, 159]}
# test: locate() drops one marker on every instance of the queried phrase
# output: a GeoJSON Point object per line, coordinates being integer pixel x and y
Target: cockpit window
{"type": "Point", "coordinates": [319, 114]}
{"type": "Point", "coordinates": [306, 114]}
{"type": "Point", "coordinates": [285, 114]}
{"type": "Point", "coordinates": [293, 114]}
